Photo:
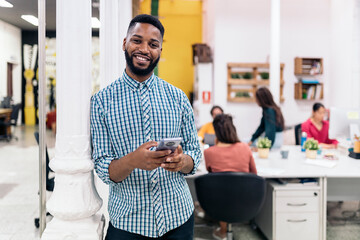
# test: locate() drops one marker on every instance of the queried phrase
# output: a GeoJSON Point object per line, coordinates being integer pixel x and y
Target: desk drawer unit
{"type": "Point", "coordinates": [290, 212]}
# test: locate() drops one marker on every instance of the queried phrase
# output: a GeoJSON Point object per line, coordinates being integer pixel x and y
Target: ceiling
{"type": "Point", "coordinates": [29, 7]}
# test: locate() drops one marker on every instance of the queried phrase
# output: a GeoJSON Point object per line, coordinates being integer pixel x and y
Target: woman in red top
{"type": "Point", "coordinates": [316, 127]}
{"type": "Point", "coordinates": [228, 155]}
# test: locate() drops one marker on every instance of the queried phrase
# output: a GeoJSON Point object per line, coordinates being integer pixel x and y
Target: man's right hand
{"type": "Point", "coordinates": [141, 158]}
{"type": "Point", "coordinates": [144, 158]}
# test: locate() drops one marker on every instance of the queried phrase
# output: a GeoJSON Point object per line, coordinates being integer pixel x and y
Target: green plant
{"type": "Point", "coordinates": [247, 75]}
{"type": "Point", "coordinates": [311, 144]}
{"type": "Point", "coordinates": [242, 94]}
{"type": "Point", "coordinates": [264, 75]}
{"type": "Point", "coordinates": [235, 75]}
{"type": "Point", "coordinates": [263, 142]}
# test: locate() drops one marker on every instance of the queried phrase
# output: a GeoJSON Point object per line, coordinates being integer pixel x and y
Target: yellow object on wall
{"type": "Point", "coordinates": [182, 21]}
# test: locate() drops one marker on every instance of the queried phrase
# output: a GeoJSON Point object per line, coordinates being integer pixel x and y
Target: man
{"type": "Point", "coordinates": [208, 127]}
{"type": "Point", "coordinates": [149, 196]}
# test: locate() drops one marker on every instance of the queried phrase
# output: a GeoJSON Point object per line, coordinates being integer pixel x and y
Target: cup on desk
{"type": "Point", "coordinates": [284, 154]}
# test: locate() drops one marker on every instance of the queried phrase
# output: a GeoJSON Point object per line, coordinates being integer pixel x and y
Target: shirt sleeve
{"type": "Point", "coordinates": [270, 124]}
{"type": "Point", "coordinates": [259, 130]}
{"type": "Point", "coordinates": [190, 144]}
{"type": "Point", "coordinates": [102, 150]}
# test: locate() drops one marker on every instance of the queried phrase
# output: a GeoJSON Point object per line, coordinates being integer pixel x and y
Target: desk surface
{"type": "Point", "coordinates": [5, 110]}
{"type": "Point", "coordinates": [295, 166]}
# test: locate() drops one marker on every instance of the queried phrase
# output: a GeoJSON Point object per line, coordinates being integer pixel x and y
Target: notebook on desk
{"type": "Point", "coordinates": [321, 163]}
{"type": "Point", "coordinates": [209, 139]}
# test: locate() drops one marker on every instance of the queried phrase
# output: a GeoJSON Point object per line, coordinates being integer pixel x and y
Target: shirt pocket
{"type": "Point", "coordinates": [167, 122]}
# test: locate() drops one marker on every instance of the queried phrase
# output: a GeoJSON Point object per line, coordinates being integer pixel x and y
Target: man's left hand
{"type": "Point", "coordinates": [178, 161]}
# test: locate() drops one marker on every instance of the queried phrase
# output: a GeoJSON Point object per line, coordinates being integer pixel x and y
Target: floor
{"type": "Point", "coordinates": [19, 200]}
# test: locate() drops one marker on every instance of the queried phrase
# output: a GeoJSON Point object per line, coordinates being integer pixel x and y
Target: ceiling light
{"type": "Point", "coordinates": [95, 23]}
{"type": "Point", "coordinates": [5, 4]}
{"type": "Point", "coordinates": [31, 19]}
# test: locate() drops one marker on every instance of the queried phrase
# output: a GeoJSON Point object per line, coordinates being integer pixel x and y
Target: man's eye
{"type": "Point", "coordinates": [154, 45]}
{"type": "Point", "coordinates": [136, 41]}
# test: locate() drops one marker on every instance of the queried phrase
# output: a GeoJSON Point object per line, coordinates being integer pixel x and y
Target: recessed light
{"type": "Point", "coordinates": [31, 19]}
{"type": "Point", "coordinates": [5, 4]}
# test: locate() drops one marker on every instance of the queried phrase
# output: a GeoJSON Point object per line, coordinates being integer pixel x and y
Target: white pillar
{"type": "Point", "coordinates": [74, 202]}
{"type": "Point", "coordinates": [115, 17]}
{"type": "Point", "coordinates": [275, 50]}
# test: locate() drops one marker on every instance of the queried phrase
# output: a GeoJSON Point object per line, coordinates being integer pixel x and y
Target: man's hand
{"type": "Point", "coordinates": [178, 161]}
{"type": "Point", "coordinates": [145, 159]}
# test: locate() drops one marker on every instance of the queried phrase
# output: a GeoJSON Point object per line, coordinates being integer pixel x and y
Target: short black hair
{"type": "Point", "coordinates": [215, 107]}
{"type": "Point", "coordinates": [145, 18]}
{"type": "Point", "coordinates": [317, 105]}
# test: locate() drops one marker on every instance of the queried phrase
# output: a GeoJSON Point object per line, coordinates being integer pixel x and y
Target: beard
{"type": "Point", "coordinates": [139, 71]}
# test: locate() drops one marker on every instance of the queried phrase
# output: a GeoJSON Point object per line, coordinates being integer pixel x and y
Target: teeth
{"type": "Point", "coordinates": [141, 58]}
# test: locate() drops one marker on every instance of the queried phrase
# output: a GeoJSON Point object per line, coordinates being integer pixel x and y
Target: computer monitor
{"type": "Point", "coordinates": [344, 123]}
{"type": "Point", "coordinates": [209, 139]}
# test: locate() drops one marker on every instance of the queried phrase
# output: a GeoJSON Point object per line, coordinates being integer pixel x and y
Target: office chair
{"type": "Point", "coordinates": [12, 122]}
{"type": "Point", "coordinates": [49, 181]}
{"type": "Point", "coordinates": [297, 134]}
{"type": "Point", "coordinates": [231, 196]}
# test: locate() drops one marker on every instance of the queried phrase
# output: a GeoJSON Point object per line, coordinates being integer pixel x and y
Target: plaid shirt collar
{"type": "Point", "coordinates": [135, 85]}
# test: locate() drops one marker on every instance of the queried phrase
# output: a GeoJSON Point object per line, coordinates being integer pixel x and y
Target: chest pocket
{"type": "Point", "coordinates": [166, 121]}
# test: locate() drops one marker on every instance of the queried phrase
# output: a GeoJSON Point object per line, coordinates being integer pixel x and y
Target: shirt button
{"type": "Point", "coordinates": [148, 138]}
{"type": "Point", "coordinates": [154, 181]}
{"type": "Point", "coordinates": [147, 116]}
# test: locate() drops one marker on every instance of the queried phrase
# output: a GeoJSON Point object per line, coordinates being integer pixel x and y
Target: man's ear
{"type": "Point", "coordinates": [124, 42]}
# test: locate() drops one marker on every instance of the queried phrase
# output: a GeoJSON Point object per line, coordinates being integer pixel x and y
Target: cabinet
{"type": "Point", "coordinates": [243, 79]}
{"type": "Point", "coordinates": [308, 72]}
{"type": "Point", "coordinates": [290, 212]}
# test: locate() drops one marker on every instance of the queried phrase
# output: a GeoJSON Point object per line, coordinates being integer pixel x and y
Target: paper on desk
{"type": "Point", "coordinates": [269, 170]}
{"type": "Point", "coordinates": [321, 163]}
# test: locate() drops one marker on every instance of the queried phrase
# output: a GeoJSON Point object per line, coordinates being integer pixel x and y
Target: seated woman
{"type": "Point", "coordinates": [272, 121]}
{"type": "Point", "coordinates": [228, 155]}
{"type": "Point", "coordinates": [208, 127]}
{"type": "Point", "coordinates": [316, 127]}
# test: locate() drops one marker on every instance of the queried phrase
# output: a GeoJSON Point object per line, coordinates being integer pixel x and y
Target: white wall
{"type": "Point", "coordinates": [10, 51]}
{"type": "Point", "coordinates": [241, 33]}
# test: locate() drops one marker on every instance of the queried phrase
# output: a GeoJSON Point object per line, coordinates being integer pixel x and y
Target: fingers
{"type": "Point", "coordinates": [149, 145]}
{"type": "Point", "coordinates": [173, 167]}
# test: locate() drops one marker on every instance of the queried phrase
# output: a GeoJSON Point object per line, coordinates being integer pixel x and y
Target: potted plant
{"type": "Point", "coordinates": [264, 145]}
{"type": "Point", "coordinates": [247, 75]}
{"type": "Point", "coordinates": [311, 145]}
{"type": "Point", "coordinates": [264, 75]}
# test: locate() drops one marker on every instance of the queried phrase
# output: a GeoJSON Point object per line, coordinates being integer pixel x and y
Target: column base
{"type": "Point", "coordinates": [91, 228]}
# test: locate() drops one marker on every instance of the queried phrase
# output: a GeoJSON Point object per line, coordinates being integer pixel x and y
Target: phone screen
{"type": "Point", "coordinates": [169, 144]}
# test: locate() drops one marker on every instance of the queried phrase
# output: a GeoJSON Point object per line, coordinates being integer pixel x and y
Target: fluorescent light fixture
{"type": "Point", "coordinates": [31, 19]}
{"type": "Point", "coordinates": [95, 23]}
{"type": "Point", "coordinates": [5, 4]}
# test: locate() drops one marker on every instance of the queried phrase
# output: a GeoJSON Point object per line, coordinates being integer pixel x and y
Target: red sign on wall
{"type": "Point", "coordinates": [206, 96]}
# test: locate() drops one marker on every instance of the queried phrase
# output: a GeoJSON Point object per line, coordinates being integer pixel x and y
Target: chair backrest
{"type": "Point", "coordinates": [297, 134]}
{"type": "Point", "coordinates": [231, 196]}
{"type": "Point", "coordinates": [15, 114]}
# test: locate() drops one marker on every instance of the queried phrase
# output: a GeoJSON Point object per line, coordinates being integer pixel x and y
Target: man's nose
{"type": "Point", "coordinates": [144, 48]}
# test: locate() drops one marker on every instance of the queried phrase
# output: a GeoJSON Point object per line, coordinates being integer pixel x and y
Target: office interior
{"type": "Point", "coordinates": [202, 37]}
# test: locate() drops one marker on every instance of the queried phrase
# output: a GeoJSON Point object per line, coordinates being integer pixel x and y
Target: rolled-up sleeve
{"type": "Point", "coordinates": [190, 144]}
{"type": "Point", "coordinates": [102, 150]}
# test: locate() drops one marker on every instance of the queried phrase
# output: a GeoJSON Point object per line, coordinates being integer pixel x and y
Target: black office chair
{"type": "Point", "coordinates": [12, 122]}
{"type": "Point", "coordinates": [231, 196]}
{"type": "Point", "coordinates": [297, 134]}
{"type": "Point", "coordinates": [49, 181]}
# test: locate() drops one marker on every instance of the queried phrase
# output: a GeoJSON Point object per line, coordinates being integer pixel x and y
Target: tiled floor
{"type": "Point", "coordinates": [19, 198]}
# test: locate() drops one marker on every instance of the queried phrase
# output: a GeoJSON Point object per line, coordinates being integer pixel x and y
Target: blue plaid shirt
{"type": "Point", "coordinates": [149, 203]}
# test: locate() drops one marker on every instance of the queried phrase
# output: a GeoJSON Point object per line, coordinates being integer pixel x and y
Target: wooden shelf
{"type": "Point", "coordinates": [302, 70]}
{"type": "Point", "coordinates": [254, 72]}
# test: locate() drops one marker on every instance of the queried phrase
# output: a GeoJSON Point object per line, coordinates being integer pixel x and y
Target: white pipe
{"type": "Point", "coordinates": [42, 133]}
{"type": "Point", "coordinates": [275, 50]}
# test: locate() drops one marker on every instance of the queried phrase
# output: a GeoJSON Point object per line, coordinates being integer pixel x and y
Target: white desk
{"type": "Point", "coordinates": [337, 183]}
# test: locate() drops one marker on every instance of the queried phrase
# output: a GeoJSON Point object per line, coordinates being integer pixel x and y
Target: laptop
{"type": "Point", "coordinates": [209, 139]}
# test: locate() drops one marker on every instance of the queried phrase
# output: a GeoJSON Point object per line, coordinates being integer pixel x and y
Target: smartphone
{"type": "Point", "coordinates": [169, 144]}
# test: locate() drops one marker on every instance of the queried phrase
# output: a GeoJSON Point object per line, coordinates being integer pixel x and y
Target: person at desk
{"type": "Point", "coordinates": [316, 127]}
{"type": "Point", "coordinates": [208, 127]}
{"type": "Point", "coordinates": [272, 121]}
{"type": "Point", "coordinates": [228, 155]}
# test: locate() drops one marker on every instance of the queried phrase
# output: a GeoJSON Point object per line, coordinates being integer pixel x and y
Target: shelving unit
{"type": "Point", "coordinates": [245, 78]}
{"type": "Point", "coordinates": [308, 72]}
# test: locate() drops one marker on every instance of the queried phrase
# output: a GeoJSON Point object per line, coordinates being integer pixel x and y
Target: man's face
{"type": "Point", "coordinates": [142, 46]}
{"type": "Point", "coordinates": [216, 112]}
